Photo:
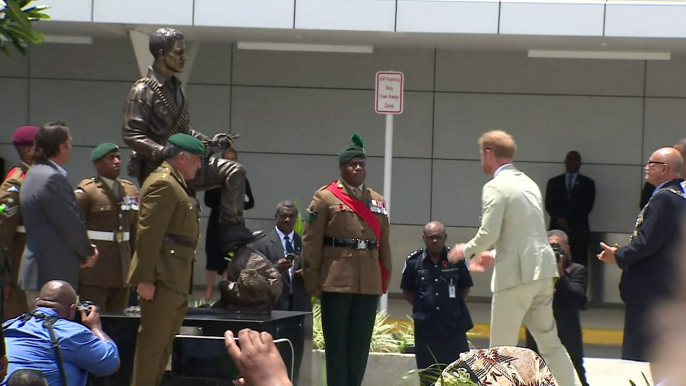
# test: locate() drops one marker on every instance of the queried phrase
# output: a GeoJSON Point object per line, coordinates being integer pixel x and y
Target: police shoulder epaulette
{"type": "Point", "coordinates": [415, 253]}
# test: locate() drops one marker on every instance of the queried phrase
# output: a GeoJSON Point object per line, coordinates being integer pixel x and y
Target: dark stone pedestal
{"type": "Point", "coordinates": [296, 326]}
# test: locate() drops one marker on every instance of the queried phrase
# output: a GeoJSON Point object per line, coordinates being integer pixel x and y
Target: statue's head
{"type": "Point", "coordinates": [167, 45]}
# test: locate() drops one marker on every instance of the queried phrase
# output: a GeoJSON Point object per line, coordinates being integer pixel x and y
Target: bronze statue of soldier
{"type": "Point", "coordinates": [156, 108]}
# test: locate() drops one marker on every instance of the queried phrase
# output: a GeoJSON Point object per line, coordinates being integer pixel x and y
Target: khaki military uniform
{"type": "Point", "coordinates": [168, 231]}
{"type": "Point", "coordinates": [341, 269]}
{"type": "Point", "coordinates": [350, 279]}
{"type": "Point", "coordinates": [13, 238]}
{"type": "Point", "coordinates": [112, 217]}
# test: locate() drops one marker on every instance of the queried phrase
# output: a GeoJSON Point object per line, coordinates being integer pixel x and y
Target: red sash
{"type": "Point", "coordinates": [367, 216]}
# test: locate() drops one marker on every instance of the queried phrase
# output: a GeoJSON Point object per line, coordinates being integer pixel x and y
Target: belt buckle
{"type": "Point", "coordinates": [361, 244]}
{"type": "Point", "coordinates": [118, 237]}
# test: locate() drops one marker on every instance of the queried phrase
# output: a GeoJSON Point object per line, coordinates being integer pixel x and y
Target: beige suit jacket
{"type": "Point", "coordinates": [512, 221]}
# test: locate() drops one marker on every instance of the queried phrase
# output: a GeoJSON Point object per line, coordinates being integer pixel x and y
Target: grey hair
{"type": "Point", "coordinates": [287, 204]}
{"type": "Point", "coordinates": [170, 151]}
{"type": "Point", "coordinates": [560, 234]}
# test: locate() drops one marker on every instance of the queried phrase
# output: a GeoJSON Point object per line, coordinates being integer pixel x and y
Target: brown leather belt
{"type": "Point", "coordinates": [180, 240]}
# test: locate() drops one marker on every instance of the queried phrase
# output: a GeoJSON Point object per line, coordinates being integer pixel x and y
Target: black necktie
{"type": "Point", "coordinates": [289, 246]}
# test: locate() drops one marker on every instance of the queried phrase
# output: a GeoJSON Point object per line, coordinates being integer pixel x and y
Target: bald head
{"type": "Point", "coordinates": [434, 226]}
{"type": "Point", "coordinates": [58, 295]}
{"type": "Point", "coordinates": [664, 165]}
{"type": "Point", "coordinates": [434, 238]}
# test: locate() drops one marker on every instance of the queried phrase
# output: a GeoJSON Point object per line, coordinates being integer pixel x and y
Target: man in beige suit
{"type": "Point", "coordinates": [522, 284]}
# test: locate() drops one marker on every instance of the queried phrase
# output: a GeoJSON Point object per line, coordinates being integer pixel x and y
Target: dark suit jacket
{"type": "Point", "coordinates": [574, 208]}
{"type": "Point", "coordinates": [647, 263]}
{"type": "Point", "coordinates": [569, 298]}
{"type": "Point", "coordinates": [56, 238]}
{"type": "Point", "coordinates": [646, 193]}
{"type": "Point", "coordinates": [272, 248]}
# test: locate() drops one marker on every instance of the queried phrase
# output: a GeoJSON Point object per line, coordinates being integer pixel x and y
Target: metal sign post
{"type": "Point", "coordinates": [389, 101]}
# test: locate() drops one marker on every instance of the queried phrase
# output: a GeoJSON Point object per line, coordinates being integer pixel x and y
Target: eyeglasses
{"type": "Point", "coordinates": [654, 163]}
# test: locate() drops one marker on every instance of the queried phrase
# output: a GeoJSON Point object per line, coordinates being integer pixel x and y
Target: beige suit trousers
{"type": "Point", "coordinates": [531, 304]}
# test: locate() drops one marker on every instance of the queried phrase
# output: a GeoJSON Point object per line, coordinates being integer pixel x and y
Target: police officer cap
{"type": "Point", "coordinates": [102, 150]}
{"type": "Point", "coordinates": [24, 135]}
{"type": "Point", "coordinates": [352, 151]}
{"type": "Point", "coordinates": [188, 143]}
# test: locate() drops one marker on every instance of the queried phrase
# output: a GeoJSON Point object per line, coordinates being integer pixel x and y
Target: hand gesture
{"type": "Point", "coordinates": [146, 290]}
{"type": "Point", "coordinates": [608, 253]}
{"type": "Point", "coordinates": [456, 253]}
{"type": "Point", "coordinates": [90, 260]}
{"type": "Point", "coordinates": [482, 262]}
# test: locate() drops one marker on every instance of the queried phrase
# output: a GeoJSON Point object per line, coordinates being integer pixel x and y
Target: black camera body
{"type": "Point", "coordinates": [85, 306]}
{"type": "Point", "coordinates": [291, 256]}
{"type": "Point", "coordinates": [557, 250]}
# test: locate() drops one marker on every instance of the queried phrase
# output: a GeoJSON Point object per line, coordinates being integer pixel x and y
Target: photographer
{"type": "Point", "coordinates": [82, 347]}
{"type": "Point", "coordinates": [568, 299]}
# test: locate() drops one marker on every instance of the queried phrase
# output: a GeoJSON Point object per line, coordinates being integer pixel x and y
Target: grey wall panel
{"type": "Point", "coordinates": [307, 121]}
{"type": "Point", "coordinates": [91, 109]}
{"type": "Point", "coordinates": [665, 124]}
{"type": "Point", "coordinates": [212, 65]}
{"type": "Point", "coordinates": [102, 60]}
{"type": "Point", "coordinates": [666, 78]}
{"type": "Point", "coordinates": [15, 66]}
{"type": "Point", "coordinates": [499, 72]}
{"type": "Point", "coordinates": [209, 108]}
{"type": "Point", "coordinates": [545, 127]}
{"type": "Point", "coordinates": [618, 190]}
{"type": "Point", "coordinates": [456, 197]}
{"type": "Point", "coordinates": [333, 70]}
{"type": "Point", "coordinates": [14, 106]}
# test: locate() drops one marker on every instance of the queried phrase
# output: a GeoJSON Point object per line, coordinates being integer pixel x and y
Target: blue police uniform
{"type": "Point", "coordinates": [441, 318]}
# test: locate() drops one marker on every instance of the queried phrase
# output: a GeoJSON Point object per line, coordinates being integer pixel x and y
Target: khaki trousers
{"type": "Point", "coordinates": [532, 304]}
{"type": "Point", "coordinates": [161, 319]}
{"type": "Point", "coordinates": [106, 298]}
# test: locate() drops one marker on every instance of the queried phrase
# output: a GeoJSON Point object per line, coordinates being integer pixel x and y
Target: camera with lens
{"type": "Point", "coordinates": [85, 306]}
{"type": "Point", "coordinates": [291, 256]}
{"type": "Point", "coordinates": [557, 250]}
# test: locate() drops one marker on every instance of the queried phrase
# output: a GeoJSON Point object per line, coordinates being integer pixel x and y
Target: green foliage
{"type": "Point", "coordinates": [16, 17]}
{"type": "Point", "coordinates": [387, 337]}
{"type": "Point", "coordinates": [298, 226]}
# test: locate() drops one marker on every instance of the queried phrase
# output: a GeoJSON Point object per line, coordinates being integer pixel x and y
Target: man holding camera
{"type": "Point", "coordinates": [568, 299]}
{"type": "Point", "coordinates": [282, 247]}
{"type": "Point", "coordinates": [48, 339]}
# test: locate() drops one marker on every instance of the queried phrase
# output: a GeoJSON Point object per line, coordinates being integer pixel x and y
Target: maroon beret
{"type": "Point", "coordinates": [24, 135]}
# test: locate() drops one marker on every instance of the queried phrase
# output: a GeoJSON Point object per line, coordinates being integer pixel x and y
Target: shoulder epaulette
{"type": "Point", "coordinates": [416, 253]}
{"type": "Point", "coordinates": [126, 182]}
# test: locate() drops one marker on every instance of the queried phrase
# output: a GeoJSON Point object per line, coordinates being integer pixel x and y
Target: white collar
{"type": "Point", "coordinates": [62, 170]}
{"type": "Point", "coordinates": [282, 235]}
{"type": "Point", "coordinates": [495, 174]}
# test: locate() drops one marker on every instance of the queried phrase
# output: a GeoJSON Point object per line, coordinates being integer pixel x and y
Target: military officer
{"type": "Point", "coordinates": [110, 206]}
{"type": "Point", "coordinates": [162, 265]}
{"type": "Point", "coordinates": [12, 233]}
{"type": "Point", "coordinates": [347, 263]}
{"type": "Point", "coordinates": [436, 288]}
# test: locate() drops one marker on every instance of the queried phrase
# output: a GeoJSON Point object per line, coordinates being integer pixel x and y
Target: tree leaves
{"type": "Point", "coordinates": [15, 25]}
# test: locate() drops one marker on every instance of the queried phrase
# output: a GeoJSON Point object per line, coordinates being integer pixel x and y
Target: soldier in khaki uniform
{"type": "Point", "coordinates": [12, 234]}
{"type": "Point", "coordinates": [347, 264]}
{"type": "Point", "coordinates": [110, 206]}
{"type": "Point", "coordinates": [162, 266]}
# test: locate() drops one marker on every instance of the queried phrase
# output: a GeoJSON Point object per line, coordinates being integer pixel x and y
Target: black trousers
{"type": "Point", "coordinates": [347, 323]}
{"type": "Point", "coordinates": [437, 351]}
{"type": "Point", "coordinates": [637, 339]}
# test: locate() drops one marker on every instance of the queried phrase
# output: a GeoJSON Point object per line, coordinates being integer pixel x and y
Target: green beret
{"type": "Point", "coordinates": [102, 150]}
{"type": "Point", "coordinates": [352, 151]}
{"type": "Point", "coordinates": [188, 143]}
